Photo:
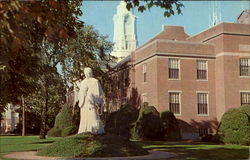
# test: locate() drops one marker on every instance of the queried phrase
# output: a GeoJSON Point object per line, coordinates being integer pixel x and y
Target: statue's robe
{"type": "Point", "coordinates": [90, 97]}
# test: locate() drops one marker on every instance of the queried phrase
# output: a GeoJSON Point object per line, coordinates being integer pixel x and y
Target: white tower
{"type": "Point", "coordinates": [124, 32]}
{"type": "Point", "coordinates": [214, 13]}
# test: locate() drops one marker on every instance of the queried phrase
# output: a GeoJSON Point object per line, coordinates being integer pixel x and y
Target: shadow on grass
{"type": "Point", "coordinates": [43, 142]}
{"type": "Point", "coordinates": [199, 150]}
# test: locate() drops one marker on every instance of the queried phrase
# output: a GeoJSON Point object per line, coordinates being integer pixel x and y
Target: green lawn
{"type": "Point", "coordinates": [185, 150]}
{"type": "Point", "coordinates": [18, 144]}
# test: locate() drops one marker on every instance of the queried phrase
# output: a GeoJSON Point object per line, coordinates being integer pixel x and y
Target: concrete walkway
{"type": "Point", "coordinates": [31, 155]}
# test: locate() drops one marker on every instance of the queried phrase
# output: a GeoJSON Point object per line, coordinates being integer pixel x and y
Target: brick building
{"type": "Point", "coordinates": [197, 77]}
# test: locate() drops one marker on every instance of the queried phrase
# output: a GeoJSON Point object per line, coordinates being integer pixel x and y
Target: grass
{"type": "Point", "coordinates": [184, 150]}
{"type": "Point", "coordinates": [18, 144]}
{"type": "Point", "coordinates": [199, 150]}
{"type": "Point", "coordinates": [89, 145]}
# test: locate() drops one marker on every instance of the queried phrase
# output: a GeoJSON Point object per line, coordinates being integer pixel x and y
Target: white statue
{"type": "Point", "coordinates": [90, 100]}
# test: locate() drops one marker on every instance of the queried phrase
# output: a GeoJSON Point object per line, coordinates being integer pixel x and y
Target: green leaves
{"type": "Point", "coordinates": [24, 25]}
{"type": "Point", "coordinates": [166, 5]}
{"type": "Point", "coordinates": [141, 8]}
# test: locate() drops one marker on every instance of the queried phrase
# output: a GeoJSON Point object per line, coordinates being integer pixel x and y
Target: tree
{"type": "Point", "coordinates": [88, 49]}
{"type": "Point", "coordinates": [26, 24]}
{"type": "Point", "coordinates": [51, 92]}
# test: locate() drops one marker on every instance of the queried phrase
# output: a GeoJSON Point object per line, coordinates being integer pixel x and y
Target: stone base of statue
{"type": "Point", "coordinates": [90, 145]}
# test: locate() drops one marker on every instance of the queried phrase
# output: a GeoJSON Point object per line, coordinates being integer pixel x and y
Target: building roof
{"type": "Point", "coordinates": [122, 62]}
{"type": "Point", "coordinates": [169, 33]}
{"type": "Point", "coordinates": [222, 28]}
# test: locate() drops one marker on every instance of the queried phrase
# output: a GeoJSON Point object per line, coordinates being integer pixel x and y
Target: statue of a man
{"type": "Point", "coordinates": [90, 100]}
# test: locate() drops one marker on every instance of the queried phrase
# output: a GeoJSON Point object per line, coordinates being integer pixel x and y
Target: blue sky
{"type": "Point", "coordinates": [194, 18]}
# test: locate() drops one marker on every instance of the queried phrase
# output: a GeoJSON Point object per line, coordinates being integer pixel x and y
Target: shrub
{"type": "Point", "coordinates": [89, 145]}
{"type": "Point", "coordinates": [54, 132]}
{"type": "Point", "coordinates": [76, 115]}
{"type": "Point", "coordinates": [69, 131]}
{"type": "Point", "coordinates": [148, 125]}
{"type": "Point", "coordinates": [64, 123]}
{"type": "Point", "coordinates": [64, 118]}
{"type": "Point", "coordinates": [235, 126]}
{"type": "Point", "coordinates": [121, 121]}
{"type": "Point", "coordinates": [170, 127]}
{"type": "Point", "coordinates": [211, 138]}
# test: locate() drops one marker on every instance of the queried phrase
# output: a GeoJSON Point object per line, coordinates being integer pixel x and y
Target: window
{"type": "Point", "coordinates": [144, 73]}
{"type": "Point", "coordinates": [245, 67]}
{"type": "Point", "coordinates": [202, 99]}
{"type": "Point", "coordinates": [144, 98]}
{"type": "Point", "coordinates": [245, 98]}
{"type": "Point", "coordinates": [118, 85]}
{"type": "Point", "coordinates": [173, 68]}
{"type": "Point", "coordinates": [126, 78]}
{"type": "Point", "coordinates": [174, 102]}
{"type": "Point", "coordinates": [203, 131]}
{"type": "Point", "coordinates": [201, 69]}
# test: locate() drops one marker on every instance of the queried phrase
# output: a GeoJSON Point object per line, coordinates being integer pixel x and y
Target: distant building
{"type": "Point", "coordinates": [10, 119]}
{"type": "Point", "coordinates": [197, 77]}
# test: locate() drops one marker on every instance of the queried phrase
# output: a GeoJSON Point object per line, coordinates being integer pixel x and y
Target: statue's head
{"type": "Point", "coordinates": [88, 72]}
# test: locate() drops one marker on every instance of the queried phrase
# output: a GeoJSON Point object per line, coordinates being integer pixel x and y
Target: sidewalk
{"type": "Point", "coordinates": [31, 155]}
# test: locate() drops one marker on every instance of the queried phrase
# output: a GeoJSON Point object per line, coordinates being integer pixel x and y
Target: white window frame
{"type": "Point", "coordinates": [179, 69]}
{"type": "Point", "coordinates": [206, 70]}
{"type": "Point", "coordinates": [207, 92]}
{"type": "Point", "coordinates": [144, 95]}
{"type": "Point", "coordinates": [243, 91]}
{"type": "Point", "coordinates": [180, 94]}
{"type": "Point", "coordinates": [240, 67]}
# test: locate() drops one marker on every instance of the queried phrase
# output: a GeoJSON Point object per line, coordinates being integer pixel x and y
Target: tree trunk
{"type": "Point", "coordinates": [44, 116]}
{"type": "Point", "coordinates": [23, 116]}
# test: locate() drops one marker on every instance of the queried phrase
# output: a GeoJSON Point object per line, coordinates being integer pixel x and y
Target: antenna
{"type": "Point", "coordinates": [214, 13]}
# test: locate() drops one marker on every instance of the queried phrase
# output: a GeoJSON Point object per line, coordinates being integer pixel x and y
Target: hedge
{"type": "Point", "coordinates": [64, 123]}
{"type": "Point", "coordinates": [170, 127]}
{"type": "Point", "coordinates": [148, 125]}
{"type": "Point", "coordinates": [120, 122]}
{"type": "Point", "coordinates": [235, 126]}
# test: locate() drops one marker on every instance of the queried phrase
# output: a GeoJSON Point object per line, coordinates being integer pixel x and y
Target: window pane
{"type": "Point", "coordinates": [245, 98]}
{"type": "Point", "coordinates": [174, 68]}
{"type": "Point", "coordinates": [174, 103]}
{"type": "Point", "coordinates": [144, 68]}
{"type": "Point", "coordinates": [202, 100]}
{"type": "Point", "coordinates": [201, 69]}
{"type": "Point", "coordinates": [245, 67]}
{"type": "Point", "coordinates": [144, 73]}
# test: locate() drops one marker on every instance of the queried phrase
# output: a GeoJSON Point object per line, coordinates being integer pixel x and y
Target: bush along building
{"type": "Point", "coordinates": [198, 78]}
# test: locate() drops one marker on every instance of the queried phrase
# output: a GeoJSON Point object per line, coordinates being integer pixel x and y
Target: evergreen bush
{"type": "Point", "coordinates": [120, 122]}
{"type": "Point", "coordinates": [148, 125]}
{"type": "Point", "coordinates": [170, 127]}
{"type": "Point", "coordinates": [64, 123]}
{"type": "Point", "coordinates": [235, 126]}
{"type": "Point", "coordinates": [54, 132]}
{"type": "Point", "coordinates": [69, 131]}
